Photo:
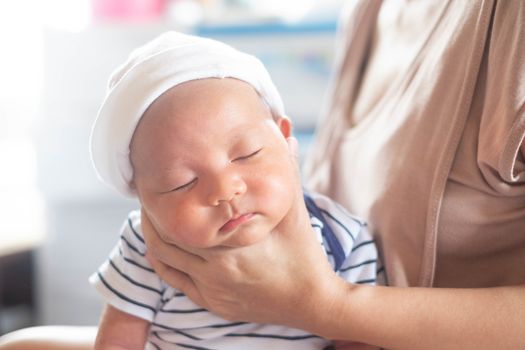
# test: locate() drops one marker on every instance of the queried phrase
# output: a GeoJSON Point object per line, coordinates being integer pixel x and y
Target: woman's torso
{"type": "Point", "coordinates": [418, 137]}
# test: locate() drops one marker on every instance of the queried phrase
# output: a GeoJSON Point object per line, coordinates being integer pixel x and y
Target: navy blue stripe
{"type": "Point", "coordinates": [339, 223]}
{"type": "Point", "coordinates": [154, 345]}
{"type": "Point", "coordinates": [138, 284]}
{"type": "Point", "coordinates": [133, 262]}
{"type": "Point", "coordinates": [224, 325]}
{"type": "Point", "coordinates": [178, 331]}
{"type": "Point", "coordinates": [179, 311]}
{"type": "Point", "coordinates": [366, 262]}
{"type": "Point", "coordinates": [273, 336]}
{"type": "Point", "coordinates": [122, 296]}
{"type": "Point", "coordinates": [138, 265]}
{"type": "Point", "coordinates": [187, 346]}
{"type": "Point", "coordinates": [361, 244]}
{"type": "Point", "coordinates": [372, 280]}
{"type": "Point", "coordinates": [130, 223]}
{"type": "Point", "coordinates": [131, 246]}
{"type": "Point", "coordinates": [328, 234]}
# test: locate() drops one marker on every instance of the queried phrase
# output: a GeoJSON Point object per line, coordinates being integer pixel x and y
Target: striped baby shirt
{"type": "Point", "coordinates": [127, 282]}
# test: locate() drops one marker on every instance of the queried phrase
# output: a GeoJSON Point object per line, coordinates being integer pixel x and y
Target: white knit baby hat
{"type": "Point", "coordinates": [170, 59]}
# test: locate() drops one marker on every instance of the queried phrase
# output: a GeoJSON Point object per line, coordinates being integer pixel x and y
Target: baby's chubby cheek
{"type": "Point", "coordinates": [176, 232]}
{"type": "Point", "coordinates": [278, 192]}
{"type": "Point", "coordinates": [173, 223]}
{"type": "Point", "coordinates": [166, 226]}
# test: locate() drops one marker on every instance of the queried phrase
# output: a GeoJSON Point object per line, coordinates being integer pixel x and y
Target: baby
{"type": "Point", "coordinates": [197, 131]}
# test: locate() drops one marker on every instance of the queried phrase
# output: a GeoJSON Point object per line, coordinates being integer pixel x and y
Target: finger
{"type": "Point", "coordinates": [178, 280]}
{"type": "Point", "coordinates": [169, 254]}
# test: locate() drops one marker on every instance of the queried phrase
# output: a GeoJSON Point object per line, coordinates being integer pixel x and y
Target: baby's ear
{"type": "Point", "coordinates": [285, 125]}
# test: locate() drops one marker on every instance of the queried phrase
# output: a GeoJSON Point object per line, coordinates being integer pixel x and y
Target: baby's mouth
{"type": "Point", "coordinates": [235, 222]}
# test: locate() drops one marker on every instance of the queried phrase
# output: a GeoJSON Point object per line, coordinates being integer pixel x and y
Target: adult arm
{"type": "Point", "coordinates": [286, 279]}
{"type": "Point", "coordinates": [119, 330]}
{"type": "Point", "coordinates": [425, 318]}
{"type": "Point", "coordinates": [238, 285]}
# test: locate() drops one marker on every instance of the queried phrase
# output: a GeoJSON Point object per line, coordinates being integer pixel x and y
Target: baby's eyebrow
{"type": "Point", "coordinates": [250, 136]}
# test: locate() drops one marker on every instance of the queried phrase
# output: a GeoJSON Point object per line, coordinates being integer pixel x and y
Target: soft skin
{"type": "Point", "coordinates": [203, 168]}
{"type": "Point", "coordinates": [235, 285]}
{"type": "Point", "coordinates": [213, 171]}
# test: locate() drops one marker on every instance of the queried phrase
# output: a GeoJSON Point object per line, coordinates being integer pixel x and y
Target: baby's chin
{"type": "Point", "coordinates": [246, 236]}
{"type": "Point", "coordinates": [241, 237]}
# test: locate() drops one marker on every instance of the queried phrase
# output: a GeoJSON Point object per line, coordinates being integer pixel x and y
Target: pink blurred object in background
{"type": "Point", "coordinates": [127, 10]}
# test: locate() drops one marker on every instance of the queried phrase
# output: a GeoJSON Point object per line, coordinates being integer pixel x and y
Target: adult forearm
{"type": "Point", "coordinates": [424, 318]}
{"type": "Point", "coordinates": [111, 347]}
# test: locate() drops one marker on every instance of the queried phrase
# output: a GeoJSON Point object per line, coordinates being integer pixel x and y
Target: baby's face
{"type": "Point", "coordinates": [211, 166]}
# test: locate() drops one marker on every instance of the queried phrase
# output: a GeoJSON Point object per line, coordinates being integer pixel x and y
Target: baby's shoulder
{"type": "Point", "coordinates": [321, 205]}
{"type": "Point", "coordinates": [131, 231]}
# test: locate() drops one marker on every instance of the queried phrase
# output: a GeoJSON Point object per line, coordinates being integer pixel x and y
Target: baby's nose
{"type": "Point", "coordinates": [225, 188]}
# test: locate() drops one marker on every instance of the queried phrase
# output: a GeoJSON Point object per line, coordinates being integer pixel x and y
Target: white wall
{"type": "Point", "coordinates": [82, 215]}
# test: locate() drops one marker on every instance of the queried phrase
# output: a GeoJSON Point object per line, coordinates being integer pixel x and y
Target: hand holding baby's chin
{"type": "Point", "coordinates": [260, 282]}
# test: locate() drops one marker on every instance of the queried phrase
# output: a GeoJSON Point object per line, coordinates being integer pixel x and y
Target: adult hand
{"type": "Point", "coordinates": [272, 281]}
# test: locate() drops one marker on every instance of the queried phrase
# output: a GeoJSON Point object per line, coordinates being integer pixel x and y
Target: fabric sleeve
{"type": "Point", "coordinates": [361, 264]}
{"type": "Point", "coordinates": [126, 280]}
{"type": "Point", "coordinates": [501, 151]}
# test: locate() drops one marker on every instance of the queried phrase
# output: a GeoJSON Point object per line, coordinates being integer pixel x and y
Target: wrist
{"type": "Point", "coordinates": [341, 312]}
{"type": "Point", "coordinates": [329, 309]}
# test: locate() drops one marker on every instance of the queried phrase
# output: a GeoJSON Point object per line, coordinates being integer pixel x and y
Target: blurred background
{"type": "Point", "coordinates": [57, 221]}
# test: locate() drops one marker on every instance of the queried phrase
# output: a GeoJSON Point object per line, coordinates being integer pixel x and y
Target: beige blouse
{"type": "Point", "coordinates": [437, 166]}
